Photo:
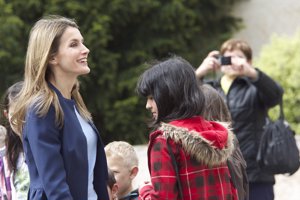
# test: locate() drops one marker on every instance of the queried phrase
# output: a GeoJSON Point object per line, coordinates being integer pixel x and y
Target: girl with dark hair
{"type": "Point", "coordinates": [14, 148]}
{"type": "Point", "coordinates": [186, 154]}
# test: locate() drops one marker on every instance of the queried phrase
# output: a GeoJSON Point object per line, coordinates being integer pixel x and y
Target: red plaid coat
{"type": "Point", "coordinates": [201, 149]}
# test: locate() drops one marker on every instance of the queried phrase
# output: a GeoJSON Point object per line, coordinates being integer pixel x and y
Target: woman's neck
{"type": "Point", "coordinates": [229, 77]}
{"type": "Point", "coordinates": [64, 87]}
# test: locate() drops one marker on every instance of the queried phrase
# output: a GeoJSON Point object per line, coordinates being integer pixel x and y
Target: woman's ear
{"type": "Point", "coordinates": [53, 60]}
{"type": "Point", "coordinates": [250, 62]}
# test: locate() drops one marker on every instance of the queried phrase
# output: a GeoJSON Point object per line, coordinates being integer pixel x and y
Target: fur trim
{"type": "Point", "coordinates": [197, 146]}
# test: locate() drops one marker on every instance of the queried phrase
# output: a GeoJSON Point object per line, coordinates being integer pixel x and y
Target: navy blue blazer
{"type": "Point", "coordinates": [57, 157]}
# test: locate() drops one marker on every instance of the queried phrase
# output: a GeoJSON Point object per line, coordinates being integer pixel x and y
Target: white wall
{"type": "Point", "coordinates": [262, 18]}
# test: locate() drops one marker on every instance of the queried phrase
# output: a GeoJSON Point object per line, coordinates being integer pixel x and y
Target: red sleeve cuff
{"type": "Point", "coordinates": [144, 192]}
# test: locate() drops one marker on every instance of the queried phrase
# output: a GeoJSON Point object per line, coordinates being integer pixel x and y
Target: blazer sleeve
{"type": "Point", "coordinates": [163, 176]}
{"type": "Point", "coordinates": [269, 91]}
{"type": "Point", "coordinates": [45, 143]}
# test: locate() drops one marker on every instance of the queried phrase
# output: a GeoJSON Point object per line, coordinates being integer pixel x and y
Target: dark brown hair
{"type": "Point", "coordinates": [215, 106]}
{"type": "Point", "coordinates": [13, 141]}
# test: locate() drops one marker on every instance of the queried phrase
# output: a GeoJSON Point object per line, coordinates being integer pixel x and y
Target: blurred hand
{"type": "Point", "coordinates": [240, 67]}
{"type": "Point", "coordinates": [210, 63]}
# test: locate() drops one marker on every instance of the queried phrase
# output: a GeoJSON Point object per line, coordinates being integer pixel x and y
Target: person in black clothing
{"type": "Point", "coordinates": [249, 93]}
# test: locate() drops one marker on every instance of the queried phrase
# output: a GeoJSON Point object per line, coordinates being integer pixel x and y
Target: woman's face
{"type": "Point", "coordinates": [237, 57]}
{"type": "Point", "coordinates": [71, 58]}
{"type": "Point", "coordinates": [152, 107]}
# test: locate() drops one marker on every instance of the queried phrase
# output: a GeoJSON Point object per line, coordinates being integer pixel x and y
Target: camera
{"type": "Point", "coordinates": [224, 60]}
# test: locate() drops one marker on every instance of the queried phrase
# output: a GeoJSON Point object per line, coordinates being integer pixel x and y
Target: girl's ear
{"type": "Point", "coordinates": [5, 113]}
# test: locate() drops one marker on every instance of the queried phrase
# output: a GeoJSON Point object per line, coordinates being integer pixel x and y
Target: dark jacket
{"type": "Point", "coordinates": [133, 195]}
{"type": "Point", "coordinates": [248, 102]}
{"type": "Point", "coordinates": [57, 157]}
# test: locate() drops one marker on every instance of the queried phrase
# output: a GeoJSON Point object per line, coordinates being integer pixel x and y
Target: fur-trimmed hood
{"type": "Point", "coordinates": [208, 142]}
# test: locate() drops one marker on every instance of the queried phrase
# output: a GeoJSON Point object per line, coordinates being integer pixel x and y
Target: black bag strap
{"type": "Point", "coordinates": [281, 114]}
{"type": "Point", "coordinates": [176, 169]}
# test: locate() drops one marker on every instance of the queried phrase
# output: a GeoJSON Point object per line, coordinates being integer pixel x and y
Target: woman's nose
{"type": "Point", "coordinates": [85, 49]}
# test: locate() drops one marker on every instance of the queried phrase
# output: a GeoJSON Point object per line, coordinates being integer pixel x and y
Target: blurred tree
{"type": "Point", "coordinates": [121, 35]}
{"type": "Point", "coordinates": [281, 60]}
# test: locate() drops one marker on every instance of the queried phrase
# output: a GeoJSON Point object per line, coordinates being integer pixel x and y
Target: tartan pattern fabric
{"type": "Point", "coordinates": [199, 182]}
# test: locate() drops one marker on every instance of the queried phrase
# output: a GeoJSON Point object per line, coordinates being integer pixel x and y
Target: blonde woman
{"type": "Point", "coordinates": [63, 148]}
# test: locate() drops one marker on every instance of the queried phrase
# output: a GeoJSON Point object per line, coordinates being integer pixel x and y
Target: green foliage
{"type": "Point", "coordinates": [281, 60]}
{"type": "Point", "coordinates": [122, 35]}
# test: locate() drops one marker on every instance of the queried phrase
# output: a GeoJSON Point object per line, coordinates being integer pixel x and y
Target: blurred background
{"type": "Point", "coordinates": [123, 35]}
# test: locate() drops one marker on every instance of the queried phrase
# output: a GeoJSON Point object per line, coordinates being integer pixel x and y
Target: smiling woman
{"type": "Point", "coordinates": [56, 127]}
{"type": "Point", "coordinates": [71, 58]}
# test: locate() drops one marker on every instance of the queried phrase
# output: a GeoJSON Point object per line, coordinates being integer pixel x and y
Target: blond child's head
{"type": "Point", "coordinates": [123, 161]}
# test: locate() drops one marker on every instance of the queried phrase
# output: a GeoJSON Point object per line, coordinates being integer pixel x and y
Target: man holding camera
{"type": "Point", "coordinates": [249, 93]}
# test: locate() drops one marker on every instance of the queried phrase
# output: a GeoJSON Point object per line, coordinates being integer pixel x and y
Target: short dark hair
{"type": "Point", "coordinates": [111, 179]}
{"type": "Point", "coordinates": [174, 87]}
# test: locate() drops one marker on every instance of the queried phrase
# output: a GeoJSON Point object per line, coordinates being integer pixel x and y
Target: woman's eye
{"type": "Point", "coordinates": [73, 44]}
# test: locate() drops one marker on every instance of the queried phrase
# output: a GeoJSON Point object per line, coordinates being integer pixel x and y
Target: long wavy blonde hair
{"type": "Point", "coordinates": [43, 43]}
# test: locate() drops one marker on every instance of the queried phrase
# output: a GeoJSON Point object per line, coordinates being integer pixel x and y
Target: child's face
{"type": "Point", "coordinates": [122, 174]}
{"type": "Point", "coordinates": [152, 107]}
{"type": "Point", "coordinates": [8, 113]}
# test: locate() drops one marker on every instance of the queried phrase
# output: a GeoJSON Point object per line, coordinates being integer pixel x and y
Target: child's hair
{"type": "Point", "coordinates": [124, 150]}
{"type": "Point", "coordinates": [217, 110]}
{"type": "Point", "coordinates": [215, 106]}
{"type": "Point", "coordinates": [173, 85]}
{"type": "Point", "coordinates": [111, 179]}
{"type": "Point", "coordinates": [13, 142]}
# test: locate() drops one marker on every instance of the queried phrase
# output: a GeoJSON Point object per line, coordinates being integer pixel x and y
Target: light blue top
{"type": "Point", "coordinates": [91, 139]}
